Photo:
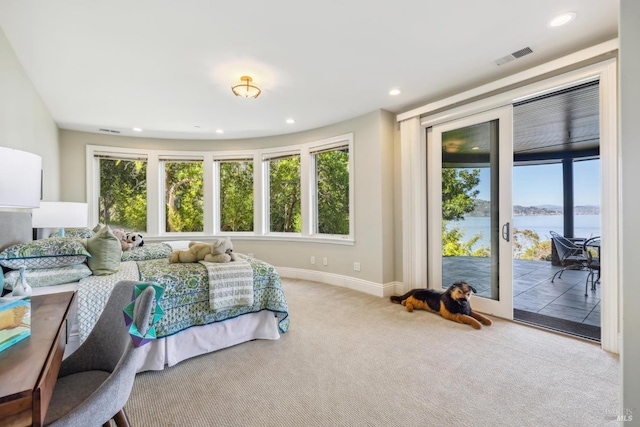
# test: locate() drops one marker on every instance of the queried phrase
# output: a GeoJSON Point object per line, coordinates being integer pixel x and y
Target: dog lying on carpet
{"type": "Point", "coordinates": [452, 304]}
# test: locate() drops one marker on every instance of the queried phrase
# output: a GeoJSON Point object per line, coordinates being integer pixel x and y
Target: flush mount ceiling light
{"type": "Point", "coordinates": [563, 19]}
{"type": "Point", "coordinates": [394, 92]}
{"type": "Point", "coordinates": [246, 88]}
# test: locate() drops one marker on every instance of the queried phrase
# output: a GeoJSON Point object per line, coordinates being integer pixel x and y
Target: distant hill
{"type": "Point", "coordinates": [483, 208]}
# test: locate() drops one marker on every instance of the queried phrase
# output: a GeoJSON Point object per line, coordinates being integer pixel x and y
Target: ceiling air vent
{"type": "Point", "coordinates": [109, 130]}
{"type": "Point", "coordinates": [515, 55]}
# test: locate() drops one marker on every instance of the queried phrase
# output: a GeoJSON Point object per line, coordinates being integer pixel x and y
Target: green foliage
{"type": "Point", "coordinates": [184, 196]}
{"type": "Point", "coordinates": [236, 196]}
{"type": "Point", "coordinates": [458, 194]}
{"type": "Point", "coordinates": [459, 198]}
{"type": "Point", "coordinates": [527, 245]}
{"type": "Point", "coordinates": [332, 169]}
{"type": "Point", "coordinates": [452, 244]}
{"type": "Point", "coordinates": [284, 195]}
{"type": "Point", "coordinates": [123, 193]}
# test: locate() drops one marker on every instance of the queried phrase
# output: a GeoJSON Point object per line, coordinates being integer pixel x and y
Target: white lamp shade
{"type": "Point", "coordinates": [59, 215]}
{"type": "Point", "coordinates": [20, 179]}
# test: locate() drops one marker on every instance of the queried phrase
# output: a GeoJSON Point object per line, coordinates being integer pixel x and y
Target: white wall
{"type": "Point", "coordinates": [373, 147]}
{"type": "Point", "coordinates": [25, 122]}
{"type": "Point", "coordinates": [629, 72]}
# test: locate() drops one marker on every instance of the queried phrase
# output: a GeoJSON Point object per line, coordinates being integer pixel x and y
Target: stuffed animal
{"type": "Point", "coordinates": [196, 252]}
{"type": "Point", "coordinates": [452, 304]}
{"type": "Point", "coordinates": [221, 250]}
{"type": "Point", "coordinates": [135, 239]}
{"type": "Point", "coordinates": [122, 236]}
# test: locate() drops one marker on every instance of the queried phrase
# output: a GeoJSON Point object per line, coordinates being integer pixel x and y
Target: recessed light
{"type": "Point", "coordinates": [475, 148]}
{"type": "Point", "coordinates": [291, 121]}
{"type": "Point", "coordinates": [563, 19]}
{"type": "Point", "coordinates": [219, 131]}
{"type": "Point", "coordinates": [137, 129]}
{"type": "Point", "coordinates": [394, 92]}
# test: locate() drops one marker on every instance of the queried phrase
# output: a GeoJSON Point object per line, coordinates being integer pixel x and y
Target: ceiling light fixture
{"type": "Point", "coordinates": [246, 88]}
{"type": "Point", "coordinates": [394, 92]}
{"type": "Point", "coordinates": [219, 131]}
{"type": "Point", "coordinates": [137, 129]}
{"type": "Point", "coordinates": [291, 121]}
{"type": "Point", "coordinates": [563, 19]}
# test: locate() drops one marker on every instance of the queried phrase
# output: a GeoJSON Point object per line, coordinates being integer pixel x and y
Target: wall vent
{"type": "Point", "coordinates": [515, 55]}
{"type": "Point", "coordinates": [109, 130]}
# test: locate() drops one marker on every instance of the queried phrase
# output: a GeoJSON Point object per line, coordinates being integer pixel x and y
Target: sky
{"type": "Point", "coordinates": [542, 184]}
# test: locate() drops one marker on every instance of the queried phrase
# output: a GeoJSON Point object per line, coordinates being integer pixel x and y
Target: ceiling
{"type": "Point", "coordinates": [548, 128]}
{"type": "Point", "coordinates": [166, 66]}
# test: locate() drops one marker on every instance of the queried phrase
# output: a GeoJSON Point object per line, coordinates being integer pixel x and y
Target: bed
{"type": "Point", "coordinates": [189, 327]}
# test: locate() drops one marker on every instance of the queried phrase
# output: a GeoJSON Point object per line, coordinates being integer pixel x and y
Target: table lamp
{"type": "Point", "coordinates": [60, 215]}
{"type": "Point", "coordinates": [20, 179]}
{"type": "Point", "coordinates": [20, 182]}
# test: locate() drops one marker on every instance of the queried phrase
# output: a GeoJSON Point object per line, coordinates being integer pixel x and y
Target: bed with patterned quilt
{"type": "Point", "coordinates": [207, 306]}
{"type": "Point", "coordinates": [186, 303]}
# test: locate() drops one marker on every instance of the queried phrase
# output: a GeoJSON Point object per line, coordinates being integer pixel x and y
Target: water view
{"type": "Point", "coordinates": [584, 226]}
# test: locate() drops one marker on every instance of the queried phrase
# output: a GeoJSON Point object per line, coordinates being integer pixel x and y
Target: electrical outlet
{"type": "Point", "coordinates": [313, 260]}
{"type": "Point", "coordinates": [356, 266]}
{"type": "Point", "coordinates": [325, 261]}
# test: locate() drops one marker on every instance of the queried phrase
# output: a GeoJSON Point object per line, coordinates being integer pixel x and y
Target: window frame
{"type": "Point", "coordinates": [266, 157]}
{"type": "Point", "coordinates": [211, 184]}
{"type": "Point", "coordinates": [162, 158]}
{"type": "Point", "coordinates": [234, 156]}
{"type": "Point", "coordinates": [334, 144]}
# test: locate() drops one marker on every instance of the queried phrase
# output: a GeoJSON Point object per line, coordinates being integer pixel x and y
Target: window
{"type": "Point", "coordinates": [332, 190]}
{"type": "Point", "coordinates": [303, 191]}
{"type": "Point", "coordinates": [123, 192]}
{"type": "Point", "coordinates": [284, 193]}
{"type": "Point", "coordinates": [236, 195]}
{"type": "Point", "coordinates": [183, 195]}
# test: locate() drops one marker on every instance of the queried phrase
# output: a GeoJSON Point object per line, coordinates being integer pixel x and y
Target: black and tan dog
{"type": "Point", "coordinates": [452, 304]}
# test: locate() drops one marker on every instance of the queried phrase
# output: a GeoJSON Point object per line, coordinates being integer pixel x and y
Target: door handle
{"type": "Point", "coordinates": [505, 231]}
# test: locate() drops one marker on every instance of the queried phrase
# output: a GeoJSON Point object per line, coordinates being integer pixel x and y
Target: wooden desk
{"type": "Point", "coordinates": [29, 369]}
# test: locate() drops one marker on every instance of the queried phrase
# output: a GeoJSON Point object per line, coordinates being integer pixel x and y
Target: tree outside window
{"type": "Point", "coordinates": [284, 195]}
{"type": "Point", "coordinates": [123, 193]}
{"type": "Point", "coordinates": [183, 194]}
{"type": "Point", "coordinates": [332, 191]}
{"type": "Point", "coordinates": [236, 196]}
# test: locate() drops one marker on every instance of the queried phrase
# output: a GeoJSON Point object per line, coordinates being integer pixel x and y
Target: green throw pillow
{"type": "Point", "coordinates": [105, 250]}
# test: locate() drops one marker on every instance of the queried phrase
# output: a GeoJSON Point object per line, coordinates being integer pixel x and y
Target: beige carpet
{"type": "Point", "coordinates": [350, 359]}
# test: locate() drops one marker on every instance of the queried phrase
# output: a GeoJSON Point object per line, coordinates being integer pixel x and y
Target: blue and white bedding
{"type": "Point", "coordinates": [187, 291]}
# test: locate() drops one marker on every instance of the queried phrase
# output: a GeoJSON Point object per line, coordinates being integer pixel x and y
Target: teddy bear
{"type": "Point", "coordinates": [135, 239]}
{"type": "Point", "coordinates": [122, 236]}
{"type": "Point", "coordinates": [221, 250]}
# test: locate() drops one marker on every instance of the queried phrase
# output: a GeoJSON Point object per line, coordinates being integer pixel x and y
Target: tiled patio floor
{"type": "Point", "coordinates": [532, 287]}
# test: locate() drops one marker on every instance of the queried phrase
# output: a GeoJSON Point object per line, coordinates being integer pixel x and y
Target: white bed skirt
{"type": "Point", "coordinates": [199, 340]}
{"type": "Point", "coordinates": [191, 342]}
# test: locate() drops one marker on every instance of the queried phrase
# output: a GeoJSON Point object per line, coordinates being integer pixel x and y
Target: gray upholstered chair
{"type": "Point", "coordinates": [95, 381]}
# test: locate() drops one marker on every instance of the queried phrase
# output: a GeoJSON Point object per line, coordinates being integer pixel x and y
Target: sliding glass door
{"type": "Point", "coordinates": [470, 213]}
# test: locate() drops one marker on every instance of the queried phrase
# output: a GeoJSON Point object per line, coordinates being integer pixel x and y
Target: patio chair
{"type": "Point", "coordinates": [572, 256]}
{"type": "Point", "coordinates": [593, 263]}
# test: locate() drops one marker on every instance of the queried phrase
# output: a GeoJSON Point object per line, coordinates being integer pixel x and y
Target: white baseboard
{"type": "Point", "coordinates": [371, 288]}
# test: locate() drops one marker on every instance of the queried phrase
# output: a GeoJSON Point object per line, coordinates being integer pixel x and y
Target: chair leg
{"type": "Point", "coordinates": [559, 272]}
{"type": "Point", "coordinates": [586, 283]}
{"type": "Point", "coordinates": [121, 419]}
